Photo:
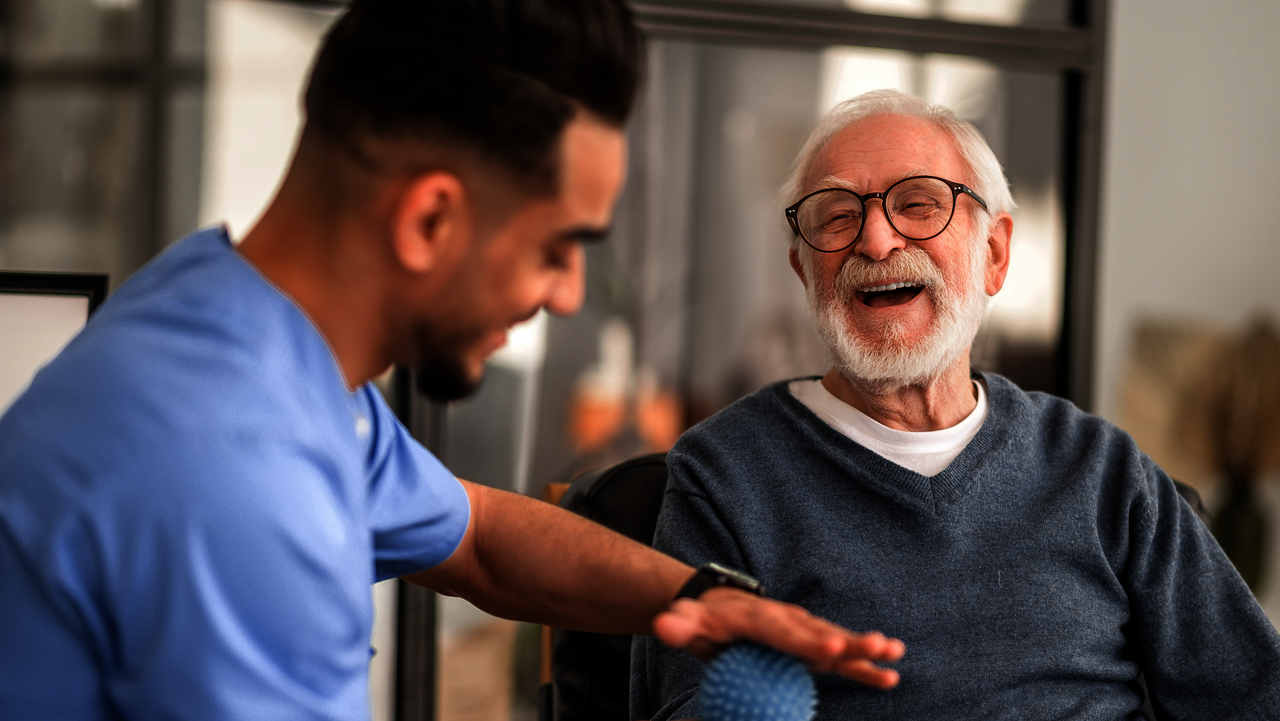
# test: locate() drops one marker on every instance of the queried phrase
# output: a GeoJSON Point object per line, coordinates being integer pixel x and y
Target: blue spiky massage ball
{"type": "Point", "coordinates": [749, 682]}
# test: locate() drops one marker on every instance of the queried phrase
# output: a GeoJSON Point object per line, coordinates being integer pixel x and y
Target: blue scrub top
{"type": "Point", "coordinates": [193, 507]}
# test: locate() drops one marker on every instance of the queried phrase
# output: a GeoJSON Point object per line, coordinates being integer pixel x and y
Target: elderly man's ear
{"type": "Point", "coordinates": [796, 265]}
{"type": "Point", "coordinates": [998, 252]}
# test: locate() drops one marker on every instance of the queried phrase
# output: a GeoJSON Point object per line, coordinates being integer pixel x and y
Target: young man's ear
{"type": "Point", "coordinates": [431, 220]}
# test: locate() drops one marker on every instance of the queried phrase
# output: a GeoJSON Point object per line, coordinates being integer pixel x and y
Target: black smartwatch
{"type": "Point", "coordinates": [713, 575]}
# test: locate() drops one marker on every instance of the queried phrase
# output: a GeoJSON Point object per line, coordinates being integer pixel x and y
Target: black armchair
{"type": "Point", "coordinates": [590, 672]}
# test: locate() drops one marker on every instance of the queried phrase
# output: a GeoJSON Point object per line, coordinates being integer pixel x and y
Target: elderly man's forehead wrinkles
{"type": "Point", "coordinates": [835, 181]}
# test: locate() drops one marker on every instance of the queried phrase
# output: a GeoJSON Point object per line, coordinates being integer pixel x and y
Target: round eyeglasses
{"type": "Point", "coordinates": [918, 208]}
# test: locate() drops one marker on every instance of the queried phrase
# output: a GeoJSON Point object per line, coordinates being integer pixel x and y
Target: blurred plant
{"type": "Point", "coordinates": [620, 410]}
{"type": "Point", "coordinates": [1205, 404]}
{"type": "Point", "coordinates": [1233, 419]}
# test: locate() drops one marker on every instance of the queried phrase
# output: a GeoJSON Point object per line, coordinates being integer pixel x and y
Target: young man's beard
{"type": "Point", "coordinates": [444, 379]}
{"type": "Point", "coordinates": [442, 374]}
{"type": "Point", "coordinates": [890, 361]}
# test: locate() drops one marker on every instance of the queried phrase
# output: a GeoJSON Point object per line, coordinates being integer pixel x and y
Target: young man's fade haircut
{"type": "Point", "coordinates": [497, 79]}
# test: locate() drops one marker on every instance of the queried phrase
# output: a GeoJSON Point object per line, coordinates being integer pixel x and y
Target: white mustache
{"type": "Point", "coordinates": [910, 264]}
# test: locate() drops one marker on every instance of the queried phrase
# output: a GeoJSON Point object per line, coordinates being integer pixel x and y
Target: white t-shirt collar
{"type": "Point", "coordinates": [926, 452]}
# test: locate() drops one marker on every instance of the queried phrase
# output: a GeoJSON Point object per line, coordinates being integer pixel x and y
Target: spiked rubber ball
{"type": "Point", "coordinates": [749, 682]}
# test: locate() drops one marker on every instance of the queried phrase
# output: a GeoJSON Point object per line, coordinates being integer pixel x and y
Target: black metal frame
{"type": "Point", "coordinates": [1077, 52]}
{"type": "Point", "coordinates": [90, 285]}
{"type": "Point", "coordinates": [739, 22]}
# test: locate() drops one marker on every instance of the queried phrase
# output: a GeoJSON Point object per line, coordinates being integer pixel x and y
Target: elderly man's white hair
{"type": "Point", "coordinates": [987, 178]}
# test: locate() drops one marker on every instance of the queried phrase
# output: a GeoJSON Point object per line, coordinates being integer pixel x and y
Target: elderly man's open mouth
{"type": "Point", "coordinates": [884, 296]}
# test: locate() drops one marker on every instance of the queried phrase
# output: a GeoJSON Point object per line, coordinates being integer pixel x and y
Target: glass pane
{"type": "Point", "coordinates": [189, 24]}
{"type": "Point", "coordinates": [1025, 13]}
{"type": "Point", "coordinates": [477, 665]}
{"type": "Point", "coordinates": [488, 666]}
{"type": "Point", "coordinates": [48, 30]}
{"type": "Point", "coordinates": [692, 302]}
{"type": "Point", "coordinates": [68, 170]}
{"type": "Point", "coordinates": [185, 156]}
{"type": "Point", "coordinates": [259, 53]}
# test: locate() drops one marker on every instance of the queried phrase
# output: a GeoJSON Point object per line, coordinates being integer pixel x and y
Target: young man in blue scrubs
{"type": "Point", "coordinates": [196, 495]}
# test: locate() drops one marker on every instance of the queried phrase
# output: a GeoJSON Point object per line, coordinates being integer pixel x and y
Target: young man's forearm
{"type": "Point", "coordinates": [531, 561]}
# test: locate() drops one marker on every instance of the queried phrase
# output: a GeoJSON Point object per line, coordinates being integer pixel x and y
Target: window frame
{"type": "Point", "coordinates": [1076, 52]}
{"type": "Point", "coordinates": [157, 76]}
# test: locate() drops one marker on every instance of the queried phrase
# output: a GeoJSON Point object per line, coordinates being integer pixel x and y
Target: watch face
{"type": "Point", "coordinates": [729, 577]}
{"type": "Point", "coordinates": [713, 575]}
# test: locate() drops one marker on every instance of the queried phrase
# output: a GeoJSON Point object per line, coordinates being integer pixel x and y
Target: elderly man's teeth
{"type": "Point", "coordinates": [882, 288]}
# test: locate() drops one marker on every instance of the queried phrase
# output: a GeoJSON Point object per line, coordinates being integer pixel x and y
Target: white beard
{"type": "Point", "coordinates": [891, 362]}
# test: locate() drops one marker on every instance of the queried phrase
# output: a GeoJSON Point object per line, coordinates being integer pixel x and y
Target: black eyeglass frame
{"type": "Point", "coordinates": [956, 190]}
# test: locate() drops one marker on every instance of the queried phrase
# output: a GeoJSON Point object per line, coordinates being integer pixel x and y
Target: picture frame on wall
{"type": "Point", "coordinates": [39, 313]}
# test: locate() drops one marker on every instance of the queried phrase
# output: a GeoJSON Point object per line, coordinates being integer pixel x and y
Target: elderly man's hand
{"type": "Point", "coordinates": [721, 616]}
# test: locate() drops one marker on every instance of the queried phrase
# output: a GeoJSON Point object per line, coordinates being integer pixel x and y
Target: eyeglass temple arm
{"type": "Point", "coordinates": [962, 188]}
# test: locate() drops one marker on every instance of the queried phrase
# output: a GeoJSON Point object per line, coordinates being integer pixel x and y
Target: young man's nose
{"type": "Point", "coordinates": [568, 288]}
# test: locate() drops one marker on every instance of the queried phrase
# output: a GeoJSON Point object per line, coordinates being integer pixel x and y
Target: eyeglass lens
{"type": "Point", "coordinates": [918, 208]}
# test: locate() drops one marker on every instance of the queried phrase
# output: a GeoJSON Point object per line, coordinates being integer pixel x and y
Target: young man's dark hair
{"type": "Point", "coordinates": [500, 79]}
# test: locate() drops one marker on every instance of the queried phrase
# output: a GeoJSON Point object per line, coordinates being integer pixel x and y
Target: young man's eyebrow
{"type": "Point", "coordinates": [586, 234]}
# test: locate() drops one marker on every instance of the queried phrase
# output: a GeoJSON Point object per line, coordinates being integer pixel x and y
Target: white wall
{"type": "Point", "coordinates": [1191, 171]}
{"type": "Point", "coordinates": [34, 328]}
{"type": "Point", "coordinates": [1191, 181]}
{"type": "Point", "coordinates": [259, 58]}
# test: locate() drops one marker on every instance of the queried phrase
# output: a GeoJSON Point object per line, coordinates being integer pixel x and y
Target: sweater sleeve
{"type": "Point", "coordinates": [665, 681]}
{"type": "Point", "coordinates": [1198, 634]}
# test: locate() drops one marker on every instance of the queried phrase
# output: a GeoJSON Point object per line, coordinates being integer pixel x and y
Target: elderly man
{"type": "Point", "coordinates": [1032, 559]}
{"type": "Point", "coordinates": [198, 492]}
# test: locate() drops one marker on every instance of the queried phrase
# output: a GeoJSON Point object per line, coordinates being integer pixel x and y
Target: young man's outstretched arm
{"type": "Point", "coordinates": [532, 561]}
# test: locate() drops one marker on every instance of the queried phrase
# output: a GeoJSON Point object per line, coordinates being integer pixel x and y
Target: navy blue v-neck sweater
{"type": "Point", "coordinates": [1034, 577]}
